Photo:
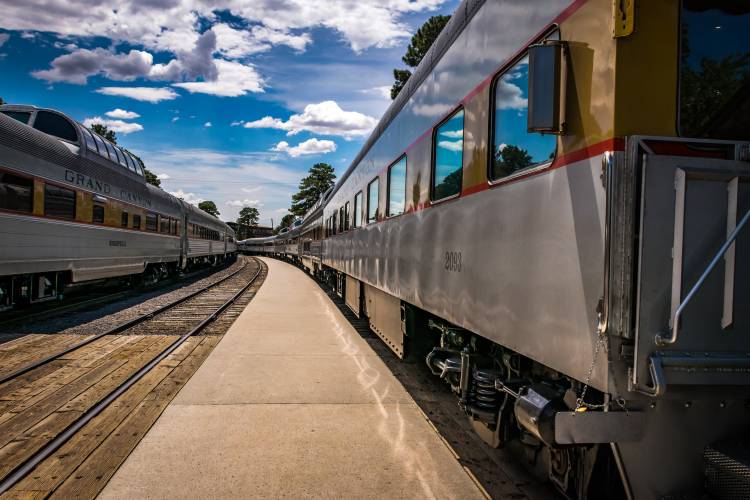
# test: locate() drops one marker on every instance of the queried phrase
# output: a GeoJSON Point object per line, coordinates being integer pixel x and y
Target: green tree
{"type": "Point", "coordinates": [706, 92]}
{"type": "Point", "coordinates": [286, 221]}
{"type": "Point", "coordinates": [105, 132]}
{"type": "Point", "coordinates": [209, 207]}
{"type": "Point", "coordinates": [510, 159]}
{"type": "Point", "coordinates": [417, 49]}
{"type": "Point", "coordinates": [317, 182]}
{"type": "Point", "coordinates": [249, 216]}
{"type": "Point", "coordinates": [1, 101]}
{"type": "Point", "coordinates": [151, 177]}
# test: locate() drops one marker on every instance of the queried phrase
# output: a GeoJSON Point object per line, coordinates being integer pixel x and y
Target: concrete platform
{"type": "Point", "coordinates": [292, 403]}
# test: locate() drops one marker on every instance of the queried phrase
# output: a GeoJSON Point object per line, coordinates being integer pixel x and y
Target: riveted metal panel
{"type": "Point", "coordinates": [384, 312]}
{"type": "Point", "coordinates": [352, 294]}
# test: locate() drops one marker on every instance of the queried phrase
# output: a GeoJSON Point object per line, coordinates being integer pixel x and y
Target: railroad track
{"type": "Point", "coordinates": [47, 310]}
{"type": "Point", "coordinates": [37, 420]}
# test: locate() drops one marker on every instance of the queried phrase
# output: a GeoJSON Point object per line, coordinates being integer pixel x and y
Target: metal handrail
{"type": "Point", "coordinates": [662, 338]}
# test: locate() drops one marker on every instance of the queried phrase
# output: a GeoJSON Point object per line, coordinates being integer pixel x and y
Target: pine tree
{"type": "Point", "coordinates": [417, 49]}
{"type": "Point", "coordinates": [320, 178]}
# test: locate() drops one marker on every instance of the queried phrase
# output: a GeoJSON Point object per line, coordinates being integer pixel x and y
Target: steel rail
{"type": "Point", "coordinates": [17, 316]}
{"type": "Point", "coordinates": [43, 453]}
{"type": "Point", "coordinates": [117, 329]}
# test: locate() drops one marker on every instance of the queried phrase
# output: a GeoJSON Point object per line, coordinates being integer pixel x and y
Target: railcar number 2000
{"type": "Point", "coordinates": [453, 261]}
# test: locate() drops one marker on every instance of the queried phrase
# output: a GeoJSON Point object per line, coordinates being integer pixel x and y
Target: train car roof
{"type": "Point", "coordinates": [88, 142]}
{"type": "Point", "coordinates": [459, 19]}
{"type": "Point", "coordinates": [256, 241]}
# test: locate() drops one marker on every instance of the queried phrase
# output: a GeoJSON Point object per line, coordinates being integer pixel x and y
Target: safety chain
{"type": "Point", "coordinates": [579, 402]}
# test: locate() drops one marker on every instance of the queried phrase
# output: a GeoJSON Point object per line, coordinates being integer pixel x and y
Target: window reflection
{"type": "Point", "coordinates": [715, 69]}
{"type": "Point", "coordinates": [515, 148]}
{"type": "Point", "coordinates": [358, 209]}
{"type": "Point", "coordinates": [372, 201]}
{"type": "Point", "coordinates": [397, 187]}
{"type": "Point", "coordinates": [449, 150]}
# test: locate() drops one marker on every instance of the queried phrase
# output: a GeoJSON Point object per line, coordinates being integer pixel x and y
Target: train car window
{"type": "Point", "coordinates": [341, 219]}
{"type": "Point", "coordinates": [151, 221]}
{"type": "Point", "coordinates": [120, 157]}
{"type": "Point", "coordinates": [97, 213]}
{"type": "Point", "coordinates": [21, 116]}
{"type": "Point", "coordinates": [178, 226]}
{"type": "Point", "coordinates": [448, 154]}
{"type": "Point", "coordinates": [346, 216]}
{"type": "Point", "coordinates": [136, 221]}
{"type": "Point", "coordinates": [163, 224]}
{"type": "Point", "coordinates": [358, 210]}
{"type": "Point", "coordinates": [100, 144]}
{"type": "Point", "coordinates": [714, 75]}
{"type": "Point", "coordinates": [16, 193]}
{"type": "Point", "coordinates": [514, 148]}
{"type": "Point", "coordinates": [372, 200]}
{"type": "Point", "coordinates": [54, 124]}
{"type": "Point", "coordinates": [111, 149]}
{"type": "Point", "coordinates": [124, 219]}
{"type": "Point", "coordinates": [59, 202]}
{"type": "Point", "coordinates": [397, 188]}
{"type": "Point", "coordinates": [129, 161]}
{"type": "Point", "coordinates": [89, 139]}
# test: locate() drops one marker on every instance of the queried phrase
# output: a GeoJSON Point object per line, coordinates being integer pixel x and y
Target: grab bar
{"type": "Point", "coordinates": [664, 338]}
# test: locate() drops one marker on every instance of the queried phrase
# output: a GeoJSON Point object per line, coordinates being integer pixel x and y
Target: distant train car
{"type": "Point", "coordinates": [554, 212]}
{"type": "Point", "coordinates": [74, 208]}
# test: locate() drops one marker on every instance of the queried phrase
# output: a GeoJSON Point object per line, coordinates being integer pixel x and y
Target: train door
{"type": "Point", "coordinates": [693, 291]}
{"type": "Point", "coordinates": [184, 243]}
{"type": "Point", "coordinates": [692, 314]}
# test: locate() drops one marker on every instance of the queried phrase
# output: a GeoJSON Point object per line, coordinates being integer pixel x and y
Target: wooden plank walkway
{"type": "Point", "coordinates": [36, 407]}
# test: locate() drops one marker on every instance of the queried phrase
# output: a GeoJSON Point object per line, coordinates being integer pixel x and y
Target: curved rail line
{"type": "Point", "coordinates": [47, 450]}
{"type": "Point", "coordinates": [117, 329]}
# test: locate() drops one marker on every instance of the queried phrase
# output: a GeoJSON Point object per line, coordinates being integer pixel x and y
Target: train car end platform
{"type": "Point", "coordinates": [292, 403]}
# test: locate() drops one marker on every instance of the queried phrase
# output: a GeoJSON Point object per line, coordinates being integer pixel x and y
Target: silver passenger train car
{"type": "Point", "coordinates": [554, 212]}
{"type": "Point", "coordinates": [75, 208]}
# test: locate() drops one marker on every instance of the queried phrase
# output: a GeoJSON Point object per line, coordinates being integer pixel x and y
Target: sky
{"type": "Point", "coordinates": [225, 100]}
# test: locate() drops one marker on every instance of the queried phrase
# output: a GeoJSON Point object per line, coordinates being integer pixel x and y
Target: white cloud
{"type": "Point", "coordinates": [233, 79]}
{"type": "Point", "coordinates": [172, 25]}
{"type": "Point", "coordinates": [175, 118]}
{"type": "Point", "coordinates": [207, 124]}
{"type": "Point", "coordinates": [118, 126]}
{"type": "Point", "coordinates": [239, 43]}
{"type": "Point", "coordinates": [244, 203]}
{"type": "Point", "coordinates": [431, 110]}
{"type": "Point", "coordinates": [383, 91]}
{"type": "Point", "coordinates": [163, 176]}
{"type": "Point", "coordinates": [237, 123]}
{"type": "Point", "coordinates": [453, 134]}
{"type": "Point", "coordinates": [122, 114]}
{"type": "Point", "coordinates": [191, 198]}
{"type": "Point", "coordinates": [227, 176]}
{"type": "Point", "coordinates": [325, 118]}
{"type": "Point", "coordinates": [509, 96]}
{"type": "Point", "coordinates": [309, 147]}
{"type": "Point", "coordinates": [149, 94]}
{"type": "Point", "coordinates": [454, 146]}
{"type": "Point", "coordinates": [3, 38]}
